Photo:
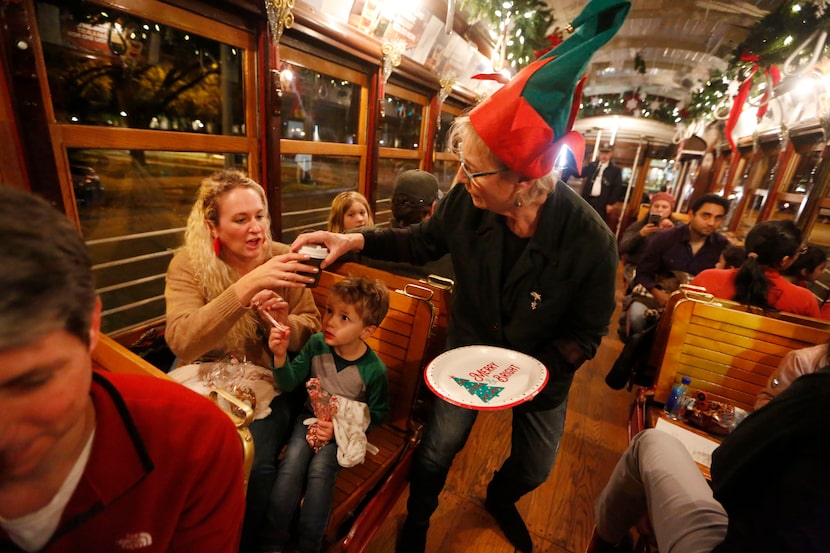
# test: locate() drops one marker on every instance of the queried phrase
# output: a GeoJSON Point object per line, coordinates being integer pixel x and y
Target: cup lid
{"type": "Point", "coordinates": [315, 250]}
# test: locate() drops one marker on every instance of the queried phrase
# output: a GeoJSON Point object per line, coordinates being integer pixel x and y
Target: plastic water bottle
{"type": "Point", "coordinates": [675, 402]}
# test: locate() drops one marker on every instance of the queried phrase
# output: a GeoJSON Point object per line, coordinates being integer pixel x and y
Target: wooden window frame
{"type": "Point", "coordinates": [359, 150]}
{"type": "Point", "coordinates": [405, 153]}
{"type": "Point", "coordinates": [66, 135]}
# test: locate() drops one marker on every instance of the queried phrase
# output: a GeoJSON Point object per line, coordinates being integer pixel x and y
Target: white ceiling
{"type": "Point", "coordinates": [679, 40]}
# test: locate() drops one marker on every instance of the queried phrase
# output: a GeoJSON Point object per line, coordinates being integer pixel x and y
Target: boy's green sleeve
{"type": "Point", "coordinates": [295, 371]}
{"type": "Point", "coordinates": [377, 393]}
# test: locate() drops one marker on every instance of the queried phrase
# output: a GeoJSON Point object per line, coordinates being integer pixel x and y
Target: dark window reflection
{"type": "Point", "coordinates": [135, 219]}
{"type": "Point", "coordinates": [445, 171]}
{"type": "Point", "coordinates": [444, 122]}
{"type": "Point", "coordinates": [805, 172]}
{"type": "Point", "coordinates": [107, 67]}
{"type": "Point", "coordinates": [318, 107]}
{"type": "Point", "coordinates": [309, 184]}
{"type": "Point", "coordinates": [401, 125]}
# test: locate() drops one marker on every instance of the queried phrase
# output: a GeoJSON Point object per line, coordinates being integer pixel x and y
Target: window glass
{"type": "Point", "coordinates": [318, 107]}
{"type": "Point", "coordinates": [789, 203]}
{"type": "Point", "coordinates": [809, 170]}
{"type": "Point", "coordinates": [133, 207]}
{"type": "Point", "coordinates": [445, 122]}
{"type": "Point", "coordinates": [658, 176]}
{"type": "Point", "coordinates": [764, 175]}
{"type": "Point", "coordinates": [107, 67]}
{"type": "Point", "coordinates": [309, 184]}
{"type": "Point", "coordinates": [401, 125]}
{"type": "Point", "coordinates": [820, 232]}
{"type": "Point", "coordinates": [445, 171]}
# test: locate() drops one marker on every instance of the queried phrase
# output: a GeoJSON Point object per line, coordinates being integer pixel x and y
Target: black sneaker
{"type": "Point", "coordinates": [511, 523]}
{"type": "Point", "coordinates": [412, 538]}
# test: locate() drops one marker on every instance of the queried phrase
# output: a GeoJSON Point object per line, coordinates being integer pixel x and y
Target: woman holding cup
{"type": "Point", "coordinates": [224, 287]}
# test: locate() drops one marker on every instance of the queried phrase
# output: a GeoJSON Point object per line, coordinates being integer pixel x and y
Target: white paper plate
{"type": "Point", "coordinates": [485, 377]}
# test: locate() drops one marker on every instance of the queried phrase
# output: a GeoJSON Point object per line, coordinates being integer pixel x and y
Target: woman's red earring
{"type": "Point", "coordinates": [217, 246]}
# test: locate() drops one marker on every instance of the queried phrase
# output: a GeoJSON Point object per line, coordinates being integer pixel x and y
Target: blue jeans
{"type": "Point", "coordinates": [269, 436]}
{"type": "Point", "coordinates": [534, 444]}
{"type": "Point", "coordinates": [318, 471]}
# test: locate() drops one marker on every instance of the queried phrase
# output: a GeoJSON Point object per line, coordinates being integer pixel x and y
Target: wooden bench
{"type": "Point", "coordinates": [413, 332]}
{"type": "Point", "coordinates": [726, 350]}
{"type": "Point", "coordinates": [372, 487]}
{"type": "Point", "coordinates": [440, 294]}
{"type": "Point", "coordinates": [111, 356]}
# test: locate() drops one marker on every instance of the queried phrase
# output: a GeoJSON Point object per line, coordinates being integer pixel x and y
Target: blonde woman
{"type": "Point", "coordinates": [227, 265]}
{"type": "Point", "coordinates": [349, 210]}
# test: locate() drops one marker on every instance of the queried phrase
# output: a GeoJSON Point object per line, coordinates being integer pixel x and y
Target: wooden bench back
{"type": "Point", "coordinates": [111, 356]}
{"type": "Point", "coordinates": [400, 341]}
{"type": "Point", "coordinates": [439, 296]}
{"type": "Point", "coordinates": [725, 350]}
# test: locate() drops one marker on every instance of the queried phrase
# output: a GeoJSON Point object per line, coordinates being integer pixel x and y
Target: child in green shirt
{"type": "Point", "coordinates": [347, 368]}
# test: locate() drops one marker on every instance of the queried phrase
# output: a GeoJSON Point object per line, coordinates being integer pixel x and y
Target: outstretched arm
{"type": "Point", "coordinates": [337, 244]}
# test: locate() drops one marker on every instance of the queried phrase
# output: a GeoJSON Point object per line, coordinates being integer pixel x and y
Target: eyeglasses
{"type": "Point", "coordinates": [471, 176]}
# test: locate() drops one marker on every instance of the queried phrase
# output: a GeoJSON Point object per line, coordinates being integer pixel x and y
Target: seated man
{"type": "Point", "coordinates": [88, 461]}
{"type": "Point", "coordinates": [672, 254]}
{"type": "Point", "coordinates": [770, 490]}
{"type": "Point", "coordinates": [636, 237]}
{"type": "Point", "coordinates": [413, 201]}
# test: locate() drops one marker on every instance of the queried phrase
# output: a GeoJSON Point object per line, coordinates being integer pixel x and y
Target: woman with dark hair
{"type": "Point", "coordinates": [771, 246]}
{"type": "Point", "coordinates": [808, 267]}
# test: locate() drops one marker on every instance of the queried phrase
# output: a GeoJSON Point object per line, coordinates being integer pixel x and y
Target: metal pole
{"type": "Point", "coordinates": [630, 182]}
{"type": "Point", "coordinates": [596, 146]}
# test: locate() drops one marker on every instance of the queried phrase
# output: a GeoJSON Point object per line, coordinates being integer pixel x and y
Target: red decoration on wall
{"type": "Point", "coordinates": [772, 74]}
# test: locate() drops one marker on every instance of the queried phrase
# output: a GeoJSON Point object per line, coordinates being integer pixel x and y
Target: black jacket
{"type": "Point", "coordinates": [612, 190]}
{"type": "Point", "coordinates": [771, 474]}
{"type": "Point", "coordinates": [570, 263]}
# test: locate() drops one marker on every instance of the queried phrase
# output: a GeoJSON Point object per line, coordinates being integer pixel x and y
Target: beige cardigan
{"type": "Point", "coordinates": [196, 329]}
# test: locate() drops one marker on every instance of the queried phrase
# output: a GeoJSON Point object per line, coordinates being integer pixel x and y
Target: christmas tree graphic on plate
{"type": "Point", "coordinates": [485, 392]}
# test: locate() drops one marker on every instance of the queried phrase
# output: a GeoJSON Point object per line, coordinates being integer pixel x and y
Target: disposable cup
{"type": "Point", "coordinates": [317, 254]}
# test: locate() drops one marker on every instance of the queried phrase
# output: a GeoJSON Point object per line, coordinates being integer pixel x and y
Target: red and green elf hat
{"type": "Point", "coordinates": [527, 121]}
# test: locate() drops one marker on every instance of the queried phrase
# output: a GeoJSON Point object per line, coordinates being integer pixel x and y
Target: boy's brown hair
{"type": "Point", "coordinates": [370, 298]}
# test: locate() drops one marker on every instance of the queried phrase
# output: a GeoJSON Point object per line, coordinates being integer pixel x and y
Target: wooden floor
{"type": "Point", "coordinates": [559, 514]}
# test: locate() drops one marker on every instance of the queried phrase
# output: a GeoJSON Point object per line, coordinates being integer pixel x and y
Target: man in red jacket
{"type": "Point", "coordinates": [92, 462]}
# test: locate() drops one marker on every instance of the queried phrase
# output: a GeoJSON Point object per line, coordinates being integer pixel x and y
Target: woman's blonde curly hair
{"type": "Point", "coordinates": [214, 275]}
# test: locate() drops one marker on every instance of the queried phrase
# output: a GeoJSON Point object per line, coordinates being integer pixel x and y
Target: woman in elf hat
{"type": "Point", "coordinates": [535, 268]}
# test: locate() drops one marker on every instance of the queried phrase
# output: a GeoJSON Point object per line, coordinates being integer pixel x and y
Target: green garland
{"type": "Point", "coordinates": [703, 102]}
{"type": "Point", "coordinates": [768, 38]}
{"type": "Point", "coordinates": [616, 104]}
{"type": "Point", "coordinates": [530, 19]}
{"type": "Point", "coordinates": [772, 40]}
